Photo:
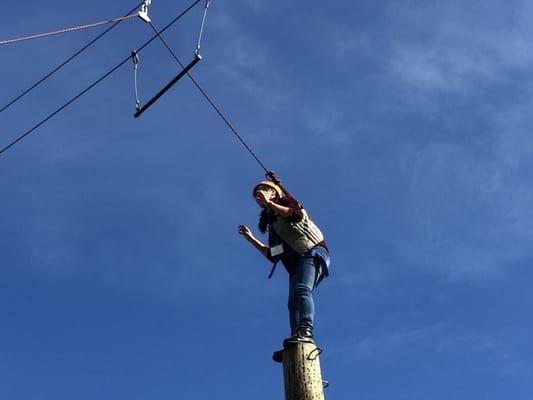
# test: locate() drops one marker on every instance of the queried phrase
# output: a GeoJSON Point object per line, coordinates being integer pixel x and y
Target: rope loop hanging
{"type": "Point", "coordinates": [135, 60]}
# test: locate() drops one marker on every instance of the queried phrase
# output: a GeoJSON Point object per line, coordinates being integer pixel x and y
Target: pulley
{"type": "Point", "coordinates": [143, 12]}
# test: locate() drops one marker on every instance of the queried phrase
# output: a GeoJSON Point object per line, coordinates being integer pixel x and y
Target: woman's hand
{"type": "Point", "coordinates": [262, 198]}
{"type": "Point", "coordinates": [246, 232]}
{"type": "Point", "coordinates": [273, 177]}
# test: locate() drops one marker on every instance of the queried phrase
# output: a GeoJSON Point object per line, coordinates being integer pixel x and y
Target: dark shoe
{"type": "Point", "coordinates": [303, 334]}
{"type": "Point", "coordinates": [278, 356]}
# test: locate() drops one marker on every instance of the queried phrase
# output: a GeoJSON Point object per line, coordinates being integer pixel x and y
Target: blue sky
{"type": "Point", "coordinates": [405, 129]}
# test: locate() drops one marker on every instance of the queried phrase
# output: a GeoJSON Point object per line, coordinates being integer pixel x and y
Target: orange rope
{"type": "Point", "coordinates": [73, 29]}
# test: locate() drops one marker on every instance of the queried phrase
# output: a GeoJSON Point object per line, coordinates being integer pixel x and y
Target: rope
{"type": "Point", "coordinates": [135, 60]}
{"type": "Point", "coordinates": [127, 59]}
{"type": "Point", "coordinates": [207, 4]}
{"type": "Point", "coordinates": [210, 101]}
{"type": "Point", "coordinates": [67, 30]}
{"type": "Point", "coordinates": [48, 75]}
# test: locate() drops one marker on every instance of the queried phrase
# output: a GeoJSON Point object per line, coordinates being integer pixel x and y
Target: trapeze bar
{"type": "Point", "coordinates": [197, 57]}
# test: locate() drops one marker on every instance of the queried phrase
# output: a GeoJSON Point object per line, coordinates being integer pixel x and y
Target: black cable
{"type": "Point", "coordinates": [24, 93]}
{"type": "Point", "coordinates": [128, 58]}
{"type": "Point", "coordinates": [209, 100]}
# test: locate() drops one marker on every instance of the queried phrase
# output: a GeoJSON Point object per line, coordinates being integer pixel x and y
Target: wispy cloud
{"type": "Point", "coordinates": [497, 351]}
{"type": "Point", "coordinates": [382, 345]}
{"type": "Point", "coordinates": [456, 46]}
{"type": "Point", "coordinates": [247, 63]}
{"type": "Point", "coordinates": [466, 193]}
{"type": "Point", "coordinates": [475, 351]}
{"type": "Point", "coordinates": [469, 214]}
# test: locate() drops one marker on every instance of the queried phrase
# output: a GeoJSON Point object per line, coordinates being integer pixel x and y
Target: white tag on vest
{"type": "Point", "coordinates": [276, 250]}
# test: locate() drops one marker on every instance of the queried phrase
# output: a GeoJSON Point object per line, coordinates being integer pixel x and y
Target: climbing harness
{"type": "Point", "coordinates": [185, 70]}
{"type": "Point", "coordinates": [273, 269]}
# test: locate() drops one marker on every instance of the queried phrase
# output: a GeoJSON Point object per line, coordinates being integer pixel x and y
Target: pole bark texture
{"type": "Point", "coordinates": [301, 371]}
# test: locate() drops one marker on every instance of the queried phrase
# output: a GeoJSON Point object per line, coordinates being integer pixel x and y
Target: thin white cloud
{"type": "Point", "coordinates": [470, 216]}
{"type": "Point", "coordinates": [256, 5]}
{"type": "Point", "coordinates": [500, 350]}
{"type": "Point", "coordinates": [456, 46]}
{"type": "Point", "coordinates": [245, 62]}
{"type": "Point", "coordinates": [380, 346]}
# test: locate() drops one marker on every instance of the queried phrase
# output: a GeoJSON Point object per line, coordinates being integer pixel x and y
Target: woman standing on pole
{"type": "Point", "coordinates": [299, 244]}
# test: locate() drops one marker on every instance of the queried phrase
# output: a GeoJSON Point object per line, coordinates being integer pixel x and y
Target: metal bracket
{"type": "Point", "coordinates": [312, 356]}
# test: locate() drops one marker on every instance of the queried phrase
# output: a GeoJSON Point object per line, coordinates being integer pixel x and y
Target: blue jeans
{"type": "Point", "coordinates": [312, 268]}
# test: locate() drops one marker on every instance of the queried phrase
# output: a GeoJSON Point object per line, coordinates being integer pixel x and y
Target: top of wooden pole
{"type": "Point", "coordinates": [301, 371]}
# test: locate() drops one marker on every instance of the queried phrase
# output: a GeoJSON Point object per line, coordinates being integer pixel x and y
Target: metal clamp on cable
{"type": "Point", "coordinates": [143, 12]}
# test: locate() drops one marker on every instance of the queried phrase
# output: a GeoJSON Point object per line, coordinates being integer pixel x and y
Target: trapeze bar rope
{"type": "Point", "coordinates": [207, 4]}
{"type": "Point", "coordinates": [182, 73]}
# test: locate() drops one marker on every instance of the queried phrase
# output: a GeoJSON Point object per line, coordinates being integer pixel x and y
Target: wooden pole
{"type": "Point", "coordinates": [301, 372]}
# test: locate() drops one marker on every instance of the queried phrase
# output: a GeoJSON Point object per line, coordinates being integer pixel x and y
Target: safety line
{"type": "Point", "coordinates": [97, 81]}
{"type": "Point", "coordinates": [48, 75]}
{"type": "Point", "coordinates": [210, 101]}
{"type": "Point", "coordinates": [67, 30]}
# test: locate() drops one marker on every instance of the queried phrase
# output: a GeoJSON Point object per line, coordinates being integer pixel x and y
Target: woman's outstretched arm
{"type": "Point", "coordinates": [248, 235]}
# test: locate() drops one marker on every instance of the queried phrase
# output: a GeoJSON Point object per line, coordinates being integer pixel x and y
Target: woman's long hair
{"type": "Point", "coordinates": [266, 218]}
